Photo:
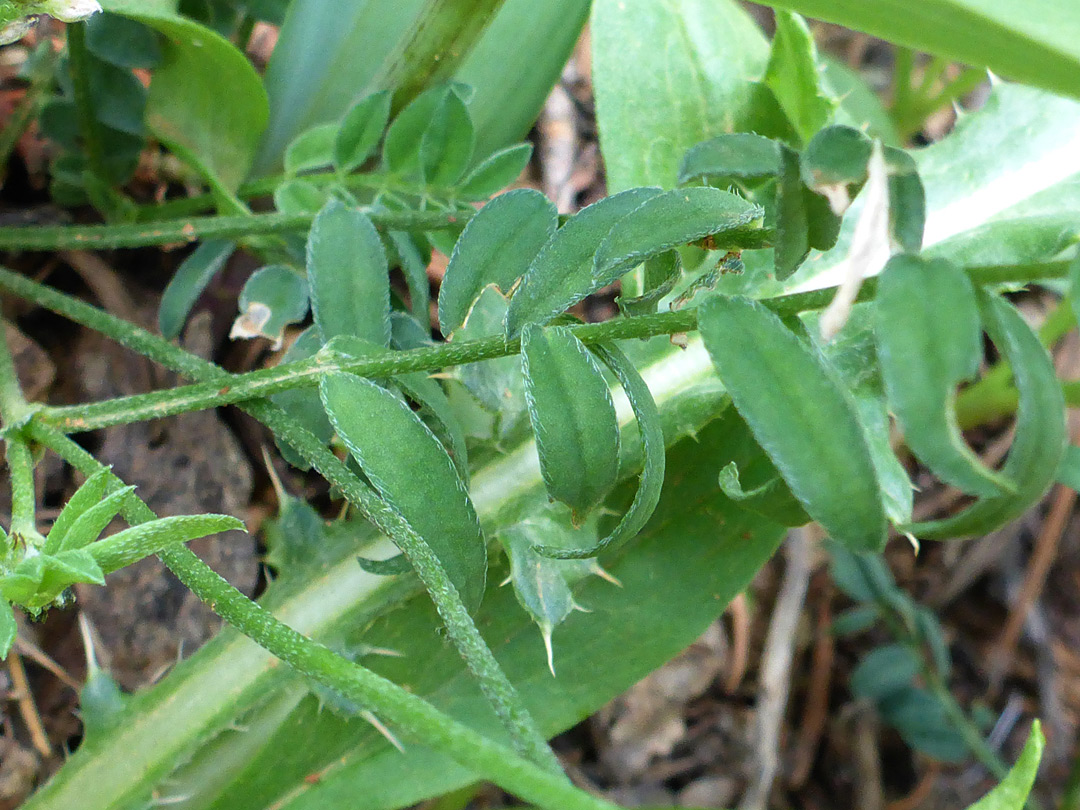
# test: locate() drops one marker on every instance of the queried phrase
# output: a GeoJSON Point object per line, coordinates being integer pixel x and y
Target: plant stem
{"type": "Point", "coordinates": [237, 388]}
{"type": "Point", "coordinates": [411, 714]}
{"type": "Point", "coordinates": [13, 410]}
{"type": "Point", "coordinates": [100, 237]}
{"type": "Point", "coordinates": [460, 627]}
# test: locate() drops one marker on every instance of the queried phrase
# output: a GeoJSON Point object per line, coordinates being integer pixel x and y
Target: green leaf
{"type": "Point", "coordinates": [131, 545]}
{"type": "Point", "coordinates": [313, 149]}
{"type": "Point", "coordinates": [495, 172]}
{"type": "Point", "coordinates": [187, 284]}
{"type": "Point", "coordinates": [835, 163]}
{"type": "Point", "coordinates": [924, 724]}
{"type": "Point", "coordinates": [303, 404]}
{"type": "Point", "coordinates": [771, 499]}
{"type": "Point", "coordinates": [1069, 471]}
{"type": "Point", "coordinates": [405, 137]}
{"type": "Point", "coordinates": [800, 415]}
{"type": "Point", "coordinates": [496, 247]}
{"type": "Point", "coordinates": [88, 526]}
{"type": "Point", "coordinates": [929, 341]}
{"type": "Point", "coordinates": [672, 219]}
{"type": "Point", "coordinates": [90, 493]}
{"type": "Point", "coordinates": [792, 241]}
{"type": "Point", "coordinates": [413, 261]}
{"type": "Point", "coordinates": [410, 468]}
{"type": "Point", "coordinates": [447, 146]}
{"type": "Point", "coordinates": [793, 75]}
{"type": "Point", "coordinates": [100, 702]}
{"type": "Point", "coordinates": [907, 201]}
{"type": "Point", "coordinates": [37, 581]}
{"type": "Point", "coordinates": [884, 671]}
{"type": "Point", "coordinates": [854, 621]}
{"type": "Point", "coordinates": [497, 384]}
{"type": "Point", "coordinates": [206, 101]}
{"type": "Point", "coordinates": [296, 539]}
{"type": "Point", "coordinates": [118, 98]}
{"type": "Point", "coordinates": [562, 273]}
{"type": "Point", "coordinates": [1013, 791]}
{"type": "Point", "coordinates": [651, 481]}
{"type": "Point", "coordinates": [1036, 42]}
{"type": "Point", "coordinates": [348, 274]}
{"type": "Point", "coordinates": [299, 197]}
{"type": "Point", "coordinates": [360, 131]}
{"type": "Point", "coordinates": [863, 577]}
{"type": "Point", "coordinates": [8, 628]}
{"type": "Point", "coordinates": [931, 634]}
{"type": "Point", "coordinates": [1040, 438]}
{"type": "Point", "coordinates": [668, 76]}
{"type": "Point", "coordinates": [573, 417]}
{"type": "Point", "coordinates": [732, 156]}
{"type": "Point", "coordinates": [1073, 294]}
{"type": "Point", "coordinates": [272, 298]}
{"type": "Point", "coordinates": [122, 42]}
{"type": "Point", "coordinates": [662, 272]}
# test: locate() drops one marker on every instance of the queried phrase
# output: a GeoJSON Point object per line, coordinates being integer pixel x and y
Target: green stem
{"type": "Point", "coordinates": [410, 714]}
{"type": "Point", "coordinates": [14, 410]}
{"type": "Point", "coordinates": [101, 237]}
{"type": "Point", "coordinates": [460, 627]}
{"type": "Point", "coordinates": [238, 388]}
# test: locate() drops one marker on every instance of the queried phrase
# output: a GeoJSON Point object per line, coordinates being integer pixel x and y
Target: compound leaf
{"type": "Point", "coordinates": [188, 283]}
{"type": "Point", "coordinates": [360, 131]}
{"type": "Point", "coordinates": [496, 172]}
{"type": "Point", "coordinates": [793, 75]}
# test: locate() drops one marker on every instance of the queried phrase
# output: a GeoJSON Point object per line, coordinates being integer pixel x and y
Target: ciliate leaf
{"type": "Point", "coordinates": [652, 475]}
{"type": "Point", "coordinates": [562, 273]}
{"type": "Point", "coordinates": [792, 240]}
{"type": "Point", "coordinates": [662, 272]}
{"type": "Point", "coordinates": [404, 138]}
{"type": "Point", "coordinates": [447, 145]}
{"type": "Point", "coordinates": [413, 256]}
{"type": "Point", "coordinates": [1040, 437]}
{"type": "Point", "coordinates": [772, 499]}
{"type": "Point", "coordinates": [734, 156]}
{"type": "Point", "coordinates": [1013, 791]}
{"type": "Point", "coordinates": [884, 671]}
{"type": "Point", "coordinates": [929, 340]}
{"type": "Point", "coordinates": [272, 298]}
{"type": "Point", "coordinates": [348, 275]}
{"type": "Point", "coordinates": [303, 404]}
{"type": "Point", "coordinates": [360, 131]}
{"type": "Point", "coordinates": [495, 172]}
{"type": "Point", "coordinates": [411, 469]}
{"type": "Point", "coordinates": [800, 415]}
{"type": "Point", "coordinates": [793, 75]}
{"type": "Point", "coordinates": [573, 417]}
{"type": "Point", "coordinates": [8, 628]}
{"type": "Point", "coordinates": [672, 219]}
{"type": "Point", "coordinates": [187, 284]}
{"type": "Point", "coordinates": [131, 545]}
{"type": "Point", "coordinates": [496, 247]}
{"type": "Point", "coordinates": [313, 149]}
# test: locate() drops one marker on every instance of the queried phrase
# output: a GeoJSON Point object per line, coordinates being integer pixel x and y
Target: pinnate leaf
{"type": "Point", "coordinates": [411, 469]}
{"type": "Point", "coordinates": [732, 156]}
{"type": "Point", "coordinates": [573, 417]}
{"type": "Point", "coordinates": [313, 149]}
{"type": "Point", "coordinates": [348, 275]}
{"type": "Point", "coordinates": [562, 273]}
{"type": "Point", "coordinates": [272, 298]}
{"type": "Point", "coordinates": [929, 340]}
{"type": "Point", "coordinates": [496, 247]}
{"type": "Point", "coordinates": [447, 146]}
{"type": "Point", "coordinates": [884, 671]}
{"type": "Point", "coordinates": [188, 283]}
{"type": "Point", "coordinates": [800, 415]}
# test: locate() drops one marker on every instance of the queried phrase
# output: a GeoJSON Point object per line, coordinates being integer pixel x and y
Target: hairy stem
{"type": "Point", "coordinates": [460, 627]}
{"type": "Point", "coordinates": [411, 715]}
{"type": "Point", "coordinates": [102, 237]}
{"type": "Point", "coordinates": [237, 388]}
{"type": "Point", "coordinates": [13, 410]}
